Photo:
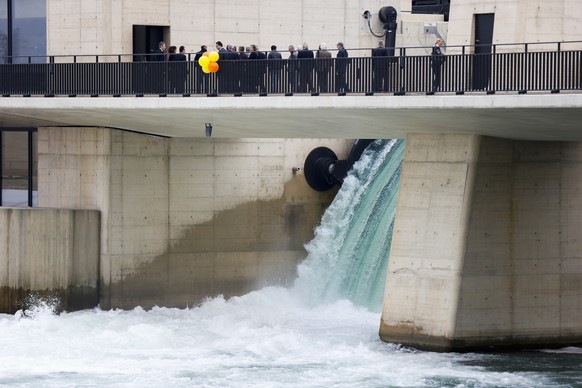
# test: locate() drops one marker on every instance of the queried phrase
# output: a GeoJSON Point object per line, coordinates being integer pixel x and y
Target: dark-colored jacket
{"type": "Point", "coordinates": [257, 55]}
{"type": "Point", "coordinates": [437, 56]}
{"type": "Point", "coordinates": [158, 55]}
{"type": "Point", "coordinates": [342, 53]}
{"type": "Point", "coordinates": [342, 62]}
{"type": "Point", "coordinates": [274, 55]}
{"type": "Point", "coordinates": [177, 57]}
{"type": "Point", "coordinates": [380, 52]}
{"type": "Point", "coordinates": [199, 54]}
{"type": "Point", "coordinates": [304, 53]}
{"type": "Point", "coordinates": [230, 55]}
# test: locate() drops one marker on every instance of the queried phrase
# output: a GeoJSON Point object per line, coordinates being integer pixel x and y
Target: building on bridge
{"type": "Point", "coordinates": [140, 195]}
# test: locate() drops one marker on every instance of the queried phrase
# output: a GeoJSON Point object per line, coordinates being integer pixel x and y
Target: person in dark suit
{"type": "Point", "coordinates": [242, 53]}
{"type": "Point", "coordinates": [198, 54]}
{"type": "Point", "coordinates": [341, 68]}
{"type": "Point", "coordinates": [379, 68]}
{"type": "Point", "coordinates": [259, 68]}
{"type": "Point", "coordinates": [219, 47]}
{"type": "Point", "coordinates": [305, 56]}
{"type": "Point", "coordinates": [437, 58]}
{"type": "Point", "coordinates": [292, 69]}
{"type": "Point", "coordinates": [158, 55]}
{"type": "Point", "coordinates": [178, 70]}
{"type": "Point", "coordinates": [181, 55]}
{"type": "Point", "coordinates": [275, 66]}
{"type": "Point", "coordinates": [201, 78]}
{"type": "Point", "coordinates": [158, 76]}
{"type": "Point", "coordinates": [322, 65]}
{"type": "Point", "coordinates": [229, 75]}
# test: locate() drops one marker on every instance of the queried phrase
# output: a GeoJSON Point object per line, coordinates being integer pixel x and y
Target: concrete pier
{"type": "Point", "coordinates": [487, 245]}
{"type": "Point", "coordinates": [49, 253]}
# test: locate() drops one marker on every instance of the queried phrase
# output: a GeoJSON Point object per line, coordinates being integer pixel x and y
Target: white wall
{"type": "Point", "coordinates": [105, 26]}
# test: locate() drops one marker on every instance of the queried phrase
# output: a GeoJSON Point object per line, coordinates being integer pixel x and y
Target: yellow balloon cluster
{"type": "Point", "coordinates": [208, 62]}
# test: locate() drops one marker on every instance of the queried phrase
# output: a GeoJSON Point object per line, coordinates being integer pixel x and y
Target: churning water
{"type": "Point", "coordinates": [323, 332]}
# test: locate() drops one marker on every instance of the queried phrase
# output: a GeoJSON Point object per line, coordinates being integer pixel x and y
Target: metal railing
{"type": "Point", "coordinates": [554, 67]}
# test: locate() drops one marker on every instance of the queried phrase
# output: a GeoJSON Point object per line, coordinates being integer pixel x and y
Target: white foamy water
{"type": "Point", "coordinates": [312, 335]}
{"type": "Point", "coordinates": [268, 338]}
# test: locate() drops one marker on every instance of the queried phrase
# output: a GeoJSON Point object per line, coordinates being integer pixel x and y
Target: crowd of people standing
{"type": "Point", "coordinates": [268, 76]}
{"type": "Point", "coordinates": [298, 73]}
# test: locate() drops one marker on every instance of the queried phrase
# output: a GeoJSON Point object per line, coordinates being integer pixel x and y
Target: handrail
{"type": "Point", "coordinates": [409, 72]}
{"type": "Point", "coordinates": [526, 46]}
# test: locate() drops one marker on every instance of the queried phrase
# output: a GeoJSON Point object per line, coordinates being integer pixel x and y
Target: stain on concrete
{"type": "Point", "coordinates": [240, 250]}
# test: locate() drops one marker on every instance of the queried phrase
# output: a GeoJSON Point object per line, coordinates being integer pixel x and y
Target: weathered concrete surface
{"type": "Point", "coordinates": [185, 219]}
{"type": "Point", "coordinates": [486, 248]}
{"type": "Point", "coordinates": [105, 26]}
{"type": "Point", "coordinates": [49, 252]}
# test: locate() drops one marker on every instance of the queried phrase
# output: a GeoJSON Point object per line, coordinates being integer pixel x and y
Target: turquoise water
{"type": "Point", "coordinates": [348, 256]}
{"type": "Point", "coordinates": [323, 332]}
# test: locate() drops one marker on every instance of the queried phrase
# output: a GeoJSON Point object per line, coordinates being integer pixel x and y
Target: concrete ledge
{"type": "Point", "coordinates": [443, 344]}
{"type": "Point", "coordinates": [526, 117]}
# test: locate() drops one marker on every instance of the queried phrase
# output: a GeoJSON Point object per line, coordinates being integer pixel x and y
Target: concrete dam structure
{"type": "Point", "coordinates": [175, 197]}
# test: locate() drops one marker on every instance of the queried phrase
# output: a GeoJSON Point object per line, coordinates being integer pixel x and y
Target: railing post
{"type": "Point", "coordinates": [399, 90]}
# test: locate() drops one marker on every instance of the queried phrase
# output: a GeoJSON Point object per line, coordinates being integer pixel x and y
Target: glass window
{"type": "Point", "coordinates": [3, 31]}
{"type": "Point", "coordinates": [16, 168]}
{"type": "Point", "coordinates": [432, 7]}
{"type": "Point", "coordinates": [29, 31]}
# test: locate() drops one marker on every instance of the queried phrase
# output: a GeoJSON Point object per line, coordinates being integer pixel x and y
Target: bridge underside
{"type": "Point", "coordinates": [525, 117]}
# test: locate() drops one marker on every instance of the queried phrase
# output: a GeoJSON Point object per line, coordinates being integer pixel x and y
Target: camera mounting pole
{"type": "Point", "coordinates": [388, 16]}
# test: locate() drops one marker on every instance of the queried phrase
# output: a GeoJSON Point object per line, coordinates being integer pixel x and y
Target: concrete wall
{"type": "Point", "coordinates": [105, 26]}
{"type": "Point", "coordinates": [486, 248]}
{"type": "Point", "coordinates": [184, 219]}
{"type": "Point", "coordinates": [518, 21]}
{"type": "Point", "coordinates": [49, 253]}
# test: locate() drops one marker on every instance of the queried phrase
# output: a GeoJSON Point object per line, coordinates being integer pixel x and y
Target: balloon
{"type": "Point", "coordinates": [203, 61]}
{"type": "Point", "coordinates": [206, 53]}
{"type": "Point", "coordinates": [205, 69]}
{"type": "Point", "coordinates": [213, 56]}
{"type": "Point", "coordinates": [213, 67]}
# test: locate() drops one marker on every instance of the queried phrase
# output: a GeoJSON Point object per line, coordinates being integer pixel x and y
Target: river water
{"type": "Point", "coordinates": [322, 332]}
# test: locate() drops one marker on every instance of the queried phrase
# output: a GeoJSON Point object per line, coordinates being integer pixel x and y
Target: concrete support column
{"type": "Point", "coordinates": [487, 246]}
{"type": "Point", "coordinates": [428, 243]}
